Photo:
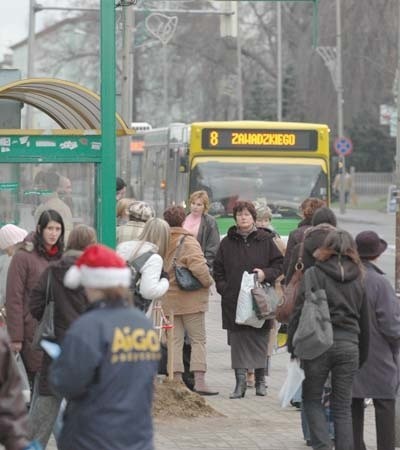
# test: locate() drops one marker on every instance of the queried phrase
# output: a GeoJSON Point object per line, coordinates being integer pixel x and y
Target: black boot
{"type": "Point", "coordinates": [241, 384]}
{"type": "Point", "coordinates": [260, 382]}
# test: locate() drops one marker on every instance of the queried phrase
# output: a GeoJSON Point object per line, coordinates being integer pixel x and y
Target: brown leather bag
{"type": "Point", "coordinates": [286, 306]}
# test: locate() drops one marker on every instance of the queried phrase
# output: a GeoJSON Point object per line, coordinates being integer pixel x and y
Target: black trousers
{"type": "Point", "coordinates": [384, 419]}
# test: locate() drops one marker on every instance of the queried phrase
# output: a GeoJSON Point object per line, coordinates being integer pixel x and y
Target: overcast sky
{"type": "Point", "coordinates": [14, 16]}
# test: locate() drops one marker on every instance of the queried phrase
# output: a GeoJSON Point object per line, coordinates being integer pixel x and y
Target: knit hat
{"type": "Point", "coordinates": [370, 245]}
{"type": "Point", "coordinates": [140, 211]}
{"type": "Point", "coordinates": [98, 267]}
{"type": "Point", "coordinates": [324, 215]}
{"type": "Point", "coordinates": [10, 235]}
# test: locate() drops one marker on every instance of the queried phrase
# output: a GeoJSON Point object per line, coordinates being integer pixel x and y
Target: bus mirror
{"type": "Point", "coordinates": [183, 164]}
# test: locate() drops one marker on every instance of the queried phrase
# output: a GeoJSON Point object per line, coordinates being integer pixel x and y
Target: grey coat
{"type": "Point", "coordinates": [379, 376]}
{"type": "Point", "coordinates": [208, 237]}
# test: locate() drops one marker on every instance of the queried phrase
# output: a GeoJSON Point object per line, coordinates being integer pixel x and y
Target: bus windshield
{"type": "Point", "coordinates": [281, 183]}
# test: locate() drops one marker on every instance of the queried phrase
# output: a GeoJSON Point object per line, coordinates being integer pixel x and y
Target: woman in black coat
{"type": "Point", "coordinates": [245, 248]}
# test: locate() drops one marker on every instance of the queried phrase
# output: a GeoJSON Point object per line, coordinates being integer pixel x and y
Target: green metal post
{"type": "Point", "coordinates": [106, 216]}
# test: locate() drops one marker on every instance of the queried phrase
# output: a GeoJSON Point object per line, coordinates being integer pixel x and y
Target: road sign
{"type": "Point", "coordinates": [343, 146]}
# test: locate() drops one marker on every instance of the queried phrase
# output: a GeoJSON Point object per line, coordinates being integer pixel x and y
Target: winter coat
{"type": "Point", "coordinates": [176, 300]}
{"type": "Point", "coordinates": [4, 264]}
{"type": "Point", "coordinates": [13, 412]}
{"type": "Point", "coordinates": [379, 376]}
{"type": "Point", "coordinates": [106, 369]}
{"type": "Point", "coordinates": [295, 237]}
{"type": "Point", "coordinates": [151, 285]}
{"type": "Point", "coordinates": [209, 239]}
{"type": "Point", "coordinates": [25, 269]}
{"type": "Point", "coordinates": [237, 254]}
{"type": "Point", "coordinates": [129, 231]}
{"type": "Point", "coordinates": [69, 304]}
{"type": "Point", "coordinates": [342, 281]}
{"type": "Point", "coordinates": [314, 237]}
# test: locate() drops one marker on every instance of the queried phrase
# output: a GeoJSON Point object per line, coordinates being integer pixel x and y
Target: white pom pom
{"type": "Point", "coordinates": [72, 278]}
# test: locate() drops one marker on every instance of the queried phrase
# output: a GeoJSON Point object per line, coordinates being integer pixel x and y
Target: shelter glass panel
{"type": "Point", "coordinates": [27, 189]}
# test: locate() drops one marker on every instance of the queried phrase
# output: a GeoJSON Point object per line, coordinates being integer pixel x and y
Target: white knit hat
{"type": "Point", "coordinates": [10, 235]}
{"type": "Point", "coordinates": [98, 267]}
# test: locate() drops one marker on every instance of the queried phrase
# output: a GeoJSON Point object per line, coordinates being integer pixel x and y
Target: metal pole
{"type": "Point", "coordinates": [31, 57]}
{"type": "Point", "coordinates": [279, 61]}
{"type": "Point", "coordinates": [340, 101]}
{"type": "Point", "coordinates": [397, 260]}
{"type": "Point", "coordinates": [126, 92]}
{"type": "Point", "coordinates": [239, 66]}
{"type": "Point", "coordinates": [165, 84]}
{"type": "Point", "coordinates": [106, 217]}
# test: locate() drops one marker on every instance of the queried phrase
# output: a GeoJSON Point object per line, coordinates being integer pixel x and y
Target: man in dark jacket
{"type": "Point", "coordinates": [379, 377]}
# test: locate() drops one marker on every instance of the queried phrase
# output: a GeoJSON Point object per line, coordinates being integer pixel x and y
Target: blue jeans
{"type": "Point", "coordinates": [342, 361]}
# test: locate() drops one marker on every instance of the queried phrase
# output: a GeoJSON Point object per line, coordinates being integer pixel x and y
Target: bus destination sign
{"type": "Point", "coordinates": [260, 139]}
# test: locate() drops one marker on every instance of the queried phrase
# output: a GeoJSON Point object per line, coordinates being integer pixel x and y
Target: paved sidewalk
{"type": "Point", "coordinates": [248, 424]}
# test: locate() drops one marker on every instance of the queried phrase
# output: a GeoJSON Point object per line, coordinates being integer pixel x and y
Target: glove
{"type": "Point", "coordinates": [164, 274]}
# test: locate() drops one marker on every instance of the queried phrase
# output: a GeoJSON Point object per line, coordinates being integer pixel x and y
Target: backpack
{"type": "Point", "coordinates": [314, 334]}
{"type": "Point", "coordinates": [136, 266]}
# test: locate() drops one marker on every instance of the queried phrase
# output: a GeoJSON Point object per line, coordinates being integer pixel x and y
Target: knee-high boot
{"type": "Point", "coordinates": [240, 388]}
{"type": "Point", "coordinates": [260, 382]}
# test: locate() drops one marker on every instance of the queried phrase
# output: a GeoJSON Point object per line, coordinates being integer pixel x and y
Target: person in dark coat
{"type": "Point", "coordinates": [38, 250]}
{"type": "Point", "coordinates": [108, 361]}
{"type": "Point", "coordinates": [69, 304]}
{"type": "Point", "coordinates": [322, 223]}
{"type": "Point", "coordinates": [379, 376]}
{"type": "Point", "coordinates": [307, 210]}
{"type": "Point", "coordinates": [13, 413]}
{"type": "Point", "coordinates": [245, 248]}
{"type": "Point", "coordinates": [339, 273]}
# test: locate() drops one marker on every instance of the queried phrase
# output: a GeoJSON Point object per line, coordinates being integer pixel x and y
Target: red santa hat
{"type": "Point", "coordinates": [98, 267]}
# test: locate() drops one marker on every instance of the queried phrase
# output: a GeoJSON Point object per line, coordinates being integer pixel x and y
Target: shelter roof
{"type": "Point", "coordinates": [70, 105]}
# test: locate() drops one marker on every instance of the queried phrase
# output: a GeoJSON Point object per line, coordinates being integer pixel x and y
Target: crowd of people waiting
{"type": "Point", "coordinates": [105, 342]}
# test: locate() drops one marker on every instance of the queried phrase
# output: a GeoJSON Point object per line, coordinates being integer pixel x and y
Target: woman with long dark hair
{"type": "Point", "coordinates": [69, 304]}
{"type": "Point", "coordinates": [339, 272]}
{"type": "Point", "coordinates": [40, 248]}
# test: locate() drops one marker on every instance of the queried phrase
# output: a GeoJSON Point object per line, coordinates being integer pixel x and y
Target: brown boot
{"type": "Point", "coordinates": [200, 385]}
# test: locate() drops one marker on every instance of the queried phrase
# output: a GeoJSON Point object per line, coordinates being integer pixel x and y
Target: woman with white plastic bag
{"type": "Point", "coordinates": [252, 250]}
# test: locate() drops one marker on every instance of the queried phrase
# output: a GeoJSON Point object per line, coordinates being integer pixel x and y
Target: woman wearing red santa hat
{"type": "Point", "coordinates": [108, 361]}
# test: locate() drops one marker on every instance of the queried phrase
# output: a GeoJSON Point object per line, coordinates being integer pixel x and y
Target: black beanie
{"type": "Point", "coordinates": [324, 215]}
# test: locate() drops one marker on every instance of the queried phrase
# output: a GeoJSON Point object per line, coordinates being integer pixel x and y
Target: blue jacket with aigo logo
{"type": "Point", "coordinates": [106, 372]}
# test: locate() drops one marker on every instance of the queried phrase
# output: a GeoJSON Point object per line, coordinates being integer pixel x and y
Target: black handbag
{"type": "Point", "coordinates": [184, 277]}
{"type": "Point", "coordinates": [45, 328]}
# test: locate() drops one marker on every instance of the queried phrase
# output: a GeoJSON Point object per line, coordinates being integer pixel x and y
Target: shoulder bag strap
{"type": "Point", "coordinates": [178, 251]}
{"type": "Point", "coordinates": [49, 290]}
{"type": "Point", "coordinates": [299, 263]}
{"type": "Point", "coordinates": [139, 262]}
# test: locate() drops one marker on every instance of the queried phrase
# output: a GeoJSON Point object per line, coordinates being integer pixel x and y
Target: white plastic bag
{"type": "Point", "coordinates": [245, 314]}
{"type": "Point", "coordinates": [26, 390]}
{"type": "Point", "coordinates": [294, 378]}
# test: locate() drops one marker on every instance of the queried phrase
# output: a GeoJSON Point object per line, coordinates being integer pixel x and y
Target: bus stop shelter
{"type": "Point", "coordinates": [33, 161]}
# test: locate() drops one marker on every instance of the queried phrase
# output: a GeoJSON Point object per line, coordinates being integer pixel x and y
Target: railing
{"type": "Point", "coordinates": [372, 183]}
